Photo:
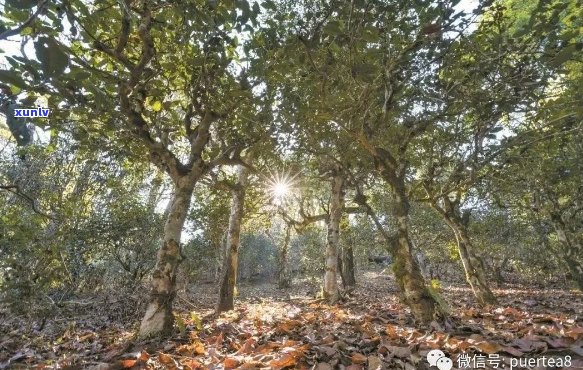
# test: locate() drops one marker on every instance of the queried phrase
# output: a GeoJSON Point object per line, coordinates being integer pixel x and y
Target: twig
{"type": "Point", "coordinates": [15, 31]}
{"type": "Point", "coordinates": [16, 190]}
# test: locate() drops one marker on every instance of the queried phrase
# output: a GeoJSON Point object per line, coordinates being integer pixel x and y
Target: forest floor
{"type": "Point", "coordinates": [277, 329]}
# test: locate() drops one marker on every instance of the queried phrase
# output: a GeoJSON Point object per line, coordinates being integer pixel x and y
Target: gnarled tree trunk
{"type": "Point", "coordinates": [159, 319]}
{"type": "Point", "coordinates": [346, 257]}
{"type": "Point", "coordinates": [336, 206]}
{"type": "Point", "coordinates": [473, 265]}
{"type": "Point", "coordinates": [407, 273]}
{"type": "Point", "coordinates": [346, 266]}
{"type": "Point", "coordinates": [231, 261]}
{"type": "Point", "coordinates": [405, 267]}
{"type": "Point", "coordinates": [570, 249]}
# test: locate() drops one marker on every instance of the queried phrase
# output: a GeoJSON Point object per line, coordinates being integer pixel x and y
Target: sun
{"type": "Point", "coordinates": [280, 189]}
{"type": "Point", "coordinates": [280, 185]}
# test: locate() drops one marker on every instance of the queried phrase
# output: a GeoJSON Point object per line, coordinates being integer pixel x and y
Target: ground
{"type": "Point", "coordinates": [275, 329]}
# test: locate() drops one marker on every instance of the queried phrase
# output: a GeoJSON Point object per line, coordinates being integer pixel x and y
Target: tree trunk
{"type": "Point", "coordinates": [473, 266]}
{"type": "Point", "coordinates": [347, 266]}
{"type": "Point", "coordinates": [229, 280]}
{"type": "Point", "coordinates": [221, 252]}
{"type": "Point", "coordinates": [407, 272]}
{"type": "Point", "coordinates": [570, 251]}
{"type": "Point", "coordinates": [336, 205]}
{"type": "Point", "coordinates": [158, 320]}
{"type": "Point", "coordinates": [283, 276]}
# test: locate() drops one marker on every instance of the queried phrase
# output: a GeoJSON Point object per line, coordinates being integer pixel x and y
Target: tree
{"type": "Point", "coordinates": [176, 100]}
{"type": "Point", "coordinates": [229, 279]}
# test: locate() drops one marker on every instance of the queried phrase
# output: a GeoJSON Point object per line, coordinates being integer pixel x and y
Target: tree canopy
{"type": "Point", "coordinates": [226, 142]}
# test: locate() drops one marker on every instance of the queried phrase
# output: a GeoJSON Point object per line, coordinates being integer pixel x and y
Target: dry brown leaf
{"type": "Point", "coordinates": [126, 364]}
{"type": "Point", "coordinates": [354, 367]}
{"type": "Point", "coordinates": [247, 347]}
{"type": "Point", "coordinates": [328, 351]}
{"type": "Point", "coordinates": [488, 347]}
{"type": "Point", "coordinates": [323, 366]}
{"type": "Point", "coordinates": [374, 363]}
{"type": "Point", "coordinates": [167, 361]}
{"type": "Point", "coordinates": [358, 358]}
{"type": "Point", "coordinates": [391, 331]}
{"type": "Point", "coordinates": [513, 351]}
{"type": "Point", "coordinates": [191, 364]}
{"type": "Point", "coordinates": [198, 348]}
{"type": "Point", "coordinates": [289, 325]}
{"type": "Point", "coordinates": [575, 332]}
{"type": "Point", "coordinates": [144, 356]}
{"type": "Point", "coordinates": [288, 359]}
{"type": "Point", "coordinates": [402, 352]}
{"type": "Point", "coordinates": [248, 365]}
{"type": "Point", "coordinates": [231, 363]}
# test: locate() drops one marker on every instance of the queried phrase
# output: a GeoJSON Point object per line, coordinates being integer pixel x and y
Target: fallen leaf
{"type": "Point", "coordinates": [231, 363]}
{"type": "Point", "coordinates": [575, 332]}
{"type": "Point", "coordinates": [168, 361]}
{"type": "Point", "coordinates": [191, 364]}
{"type": "Point", "coordinates": [288, 359]}
{"type": "Point", "coordinates": [488, 347]}
{"type": "Point", "coordinates": [354, 367]}
{"type": "Point", "coordinates": [374, 363]}
{"type": "Point", "coordinates": [358, 358]}
{"type": "Point", "coordinates": [126, 364]}
{"type": "Point", "coordinates": [323, 366]}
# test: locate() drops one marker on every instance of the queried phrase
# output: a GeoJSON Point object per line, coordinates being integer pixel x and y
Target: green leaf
{"type": "Point", "coordinates": [333, 28]}
{"type": "Point", "coordinates": [28, 101]}
{"type": "Point", "coordinates": [12, 78]}
{"type": "Point", "coordinates": [364, 71]}
{"type": "Point", "coordinates": [53, 60]}
{"type": "Point", "coordinates": [21, 4]}
{"type": "Point", "coordinates": [196, 320]}
{"type": "Point", "coordinates": [157, 106]}
{"type": "Point", "coordinates": [268, 4]}
{"type": "Point", "coordinates": [180, 323]}
{"type": "Point", "coordinates": [564, 55]}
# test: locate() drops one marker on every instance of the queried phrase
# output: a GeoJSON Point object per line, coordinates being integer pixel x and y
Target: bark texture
{"type": "Point", "coordinates": [407, 273]}
{"type": "Point", "coordinates": [405, 267]}
{"type": "Point", "coordinates": [346, 266]}
{"type": "Point", "coordinates": [336, 206]}
{"type": "Point", "coordinates": [158, 319]}
{"type": "Point", "coordinates": [231, 262]}
{"type": "Point", "coordinates": [473, 265]}
{"type": "Point", "coordinates": [571, 250]}
{"type": "Point", "coordinates": [283, 275]}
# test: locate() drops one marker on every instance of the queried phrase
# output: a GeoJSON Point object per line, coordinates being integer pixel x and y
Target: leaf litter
{"type": "Point", "coordinates": [369, 329]}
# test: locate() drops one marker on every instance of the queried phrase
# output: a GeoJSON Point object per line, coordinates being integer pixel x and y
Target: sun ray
{"type": "Point", "coordinates": [280, 185]}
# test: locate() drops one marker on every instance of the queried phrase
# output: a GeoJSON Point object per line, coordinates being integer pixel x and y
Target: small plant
{"type": "Point", "coordinates": [435, 285]}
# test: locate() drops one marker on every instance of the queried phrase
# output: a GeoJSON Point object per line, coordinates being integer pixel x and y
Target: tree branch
{"type": "Point", "coordinates": [14, 189]}
{"type": "Point", "coordinates": [15, 31]}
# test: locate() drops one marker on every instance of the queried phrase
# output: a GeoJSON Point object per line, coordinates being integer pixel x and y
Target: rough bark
{"type": "Point", "coordinates": [570, 249]}
{"type": "Point", "coordinates": [283, 276]}
{"type": "Point", "coordinates": [414, 292]}
{"type": "Point", "coordinates": [158, 319]}
{"type": "Point", "coordinates": [407, 272]}
{"type": "Point", "coordinates": [472, 264]}
{"type": "Point", "coordinates": [221, 252]}
{"type": "Point", "coordinates": [346, 267]}
{"type": "Point", "coordinates": [231, 261]}
{"type": "Point", "coordinates": [336, 206]}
